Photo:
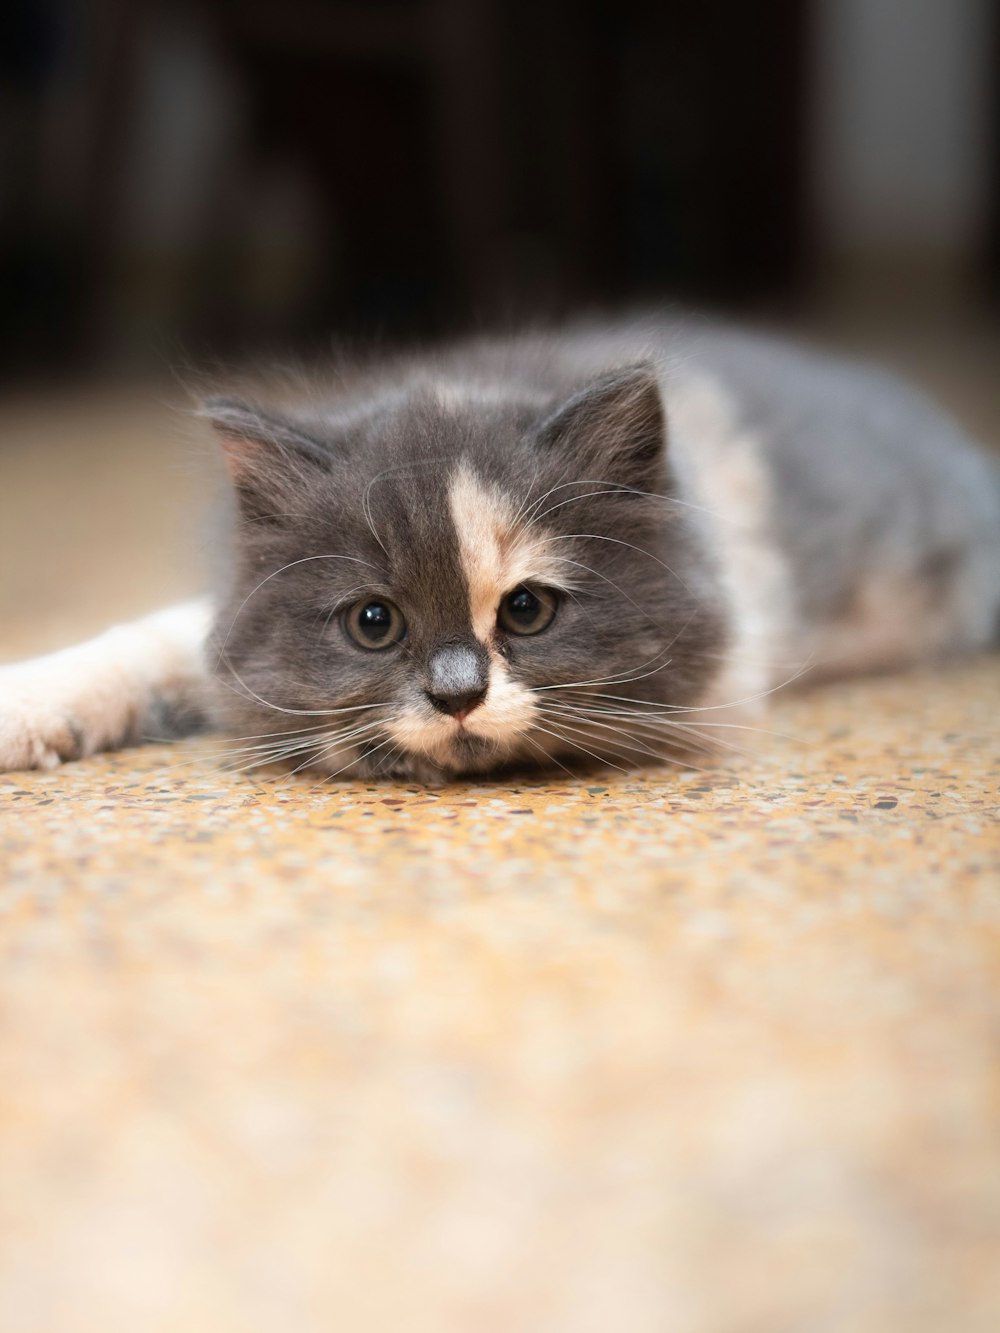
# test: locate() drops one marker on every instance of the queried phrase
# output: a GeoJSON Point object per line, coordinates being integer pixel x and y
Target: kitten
{"type": "Point", "coordinates": [545, 550]}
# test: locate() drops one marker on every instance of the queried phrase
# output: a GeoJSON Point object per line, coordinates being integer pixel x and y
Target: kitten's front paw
{"type": "Point", "coordinates": [35, 738]}
{"type": "Point", "coordinates": [48, 717]}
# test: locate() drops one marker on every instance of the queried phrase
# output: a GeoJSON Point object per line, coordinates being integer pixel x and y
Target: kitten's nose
{"type": "Point", "coordinates": [457, 705]}
{"type": "Point", "coordinates": [457, 681]}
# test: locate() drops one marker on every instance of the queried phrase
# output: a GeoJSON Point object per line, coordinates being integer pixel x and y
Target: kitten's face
{"type": "Point", "coordinates": [438, 585]}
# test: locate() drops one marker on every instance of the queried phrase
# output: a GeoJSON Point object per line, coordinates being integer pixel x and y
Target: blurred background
{"type": "Point", "coordinates": [713, 1055]}
{"type": "Point", "coordinates": [189, 183]}
{"type": "Point", "coordinates": [181, 178]}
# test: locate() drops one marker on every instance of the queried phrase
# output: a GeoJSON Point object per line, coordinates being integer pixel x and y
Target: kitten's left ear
{"type": "Point", "coordinates": [267, 456]}
{"type": "Point", "coordinates": [615, 428]}
{"type": "Point", "coordinates": [247, 432]}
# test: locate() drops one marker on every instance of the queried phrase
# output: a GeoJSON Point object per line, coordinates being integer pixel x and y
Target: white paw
{"type": "Point", "coordinates": [103, 694]}
{"type": "Point", "coordinates": [52, 710]}
{"type": "Point", "coordinates": [28, 740]}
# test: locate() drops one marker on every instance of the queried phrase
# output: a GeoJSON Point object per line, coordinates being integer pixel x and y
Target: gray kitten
{"type": "Point", "coordinates": [545, 550]}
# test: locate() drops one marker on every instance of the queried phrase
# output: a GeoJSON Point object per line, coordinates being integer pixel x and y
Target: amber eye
{"type": "Point", "coordinates": [375, 624]}
{"type": "Point", "coordinates": [527, 610]}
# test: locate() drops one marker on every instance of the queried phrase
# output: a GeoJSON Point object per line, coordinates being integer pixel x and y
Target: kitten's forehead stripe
{"type": "Point", "coordinates": [498, 550]}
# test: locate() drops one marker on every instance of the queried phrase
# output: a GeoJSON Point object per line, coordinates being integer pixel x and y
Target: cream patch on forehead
{"type": "Point", "coordinates": [498, 550]}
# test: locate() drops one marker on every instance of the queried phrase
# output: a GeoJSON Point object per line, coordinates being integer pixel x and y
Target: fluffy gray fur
{"type": "Point", "coordinates": [580, 547]}
{"type": "Point", "coordinates": [735, 513]}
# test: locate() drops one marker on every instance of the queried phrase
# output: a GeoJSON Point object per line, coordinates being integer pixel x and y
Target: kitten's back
{"type": "Point", "coordinates": [838, 488]}
{"type": "Point", "coordinates": [857, 525]}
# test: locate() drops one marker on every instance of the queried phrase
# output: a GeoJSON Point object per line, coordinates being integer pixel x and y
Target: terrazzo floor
{"type": "Point", "coordinates": [692, 1052]}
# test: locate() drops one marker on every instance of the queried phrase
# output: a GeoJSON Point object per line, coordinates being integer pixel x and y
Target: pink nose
{"type": "Point", "coordinates": [458, 706]}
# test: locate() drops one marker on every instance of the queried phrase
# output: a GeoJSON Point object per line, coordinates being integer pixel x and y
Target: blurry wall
{"type": "Point", "coordinates": [901, 161]}
{"type": "Point", "coordinates": [186, 178]}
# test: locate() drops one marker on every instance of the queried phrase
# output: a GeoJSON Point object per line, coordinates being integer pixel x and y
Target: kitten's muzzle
{"type": "Point", "coordinates": [457, 680]}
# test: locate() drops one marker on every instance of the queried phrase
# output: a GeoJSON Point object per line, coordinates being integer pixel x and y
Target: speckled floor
{"type": "Point", "coordinates": [684, 1052]}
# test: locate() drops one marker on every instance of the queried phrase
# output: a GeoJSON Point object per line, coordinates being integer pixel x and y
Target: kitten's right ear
{"type": "Point", "coordinates": [263, 452]}
{"type": "Point", "coordinates": [614, 428]}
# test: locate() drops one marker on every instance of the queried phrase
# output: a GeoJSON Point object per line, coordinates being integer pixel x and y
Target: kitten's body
{"type": "Point", "coordinates": [794, 514]}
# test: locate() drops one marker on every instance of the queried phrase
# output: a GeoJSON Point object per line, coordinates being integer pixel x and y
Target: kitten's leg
{"type": "Point", "coordinates": [142, 679]}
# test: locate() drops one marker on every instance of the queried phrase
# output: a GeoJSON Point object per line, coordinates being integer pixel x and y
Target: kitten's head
{"type": "Point", "coordinates": [439, 581]}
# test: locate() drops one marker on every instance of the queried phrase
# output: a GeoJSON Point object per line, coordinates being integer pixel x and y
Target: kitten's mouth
{"type": "Point", "coordinates": [467, 741]}
{"type": "Point", "coordinates": [466, 752]}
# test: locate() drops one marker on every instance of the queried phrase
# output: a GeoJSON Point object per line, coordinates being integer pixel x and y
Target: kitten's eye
{"type": "Point", "coordinates": [527, 610]}
{"type": "Point", "coordinates": [375, 624]}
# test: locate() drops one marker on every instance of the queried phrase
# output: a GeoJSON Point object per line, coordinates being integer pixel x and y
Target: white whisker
{"type": "Point", "coordinates": [578, 564]}
{"type": "Point", "coordinates": [612, 489]}
{"type": "Point", "coordinates": [685, 736]}
{"type": "Point", "coordinates": [561, 721]}
{"type": "Point", "coordinates": [548, 757]}
{"type": "Point", "coordinates": [606, 680]}
{"type": "Point", "coordinates": [367, 755]}
{"type": "Point", "coordinates": [278, 708]}
{"type": "Point", "coordinates": [388, 472]}
{"type": "Point", "coordinates": [334, 747]}
{"type": "Point", "coordinates": [576, 744]}
{"type": "Point", "coordinates": [600, 537]}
